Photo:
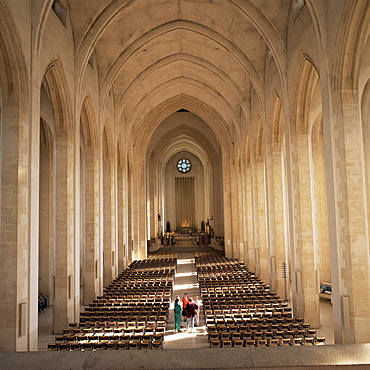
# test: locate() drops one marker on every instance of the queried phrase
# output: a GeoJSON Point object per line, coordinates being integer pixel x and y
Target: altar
{"type": "Point", "coordinates": [185, 230]}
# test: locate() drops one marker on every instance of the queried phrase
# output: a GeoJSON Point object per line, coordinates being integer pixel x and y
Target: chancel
{"type": "Point", "coordinates": [226, 141]}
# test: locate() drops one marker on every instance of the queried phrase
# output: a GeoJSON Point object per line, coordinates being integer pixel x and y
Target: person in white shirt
{"type": "Point", "coordinates": [198, 303]}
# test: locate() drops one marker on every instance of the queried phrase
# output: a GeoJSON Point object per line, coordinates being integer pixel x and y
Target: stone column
{"type": "Point", "coordinates": [140, 240]}
{"type": "Point", "coordinates": [348, 224]}
{"type": "Point", "coordinates": [279, 222]}
{"type": "Point", "coordinates": [109, 233]}
{"type": "Point", "coordinates": [64, 234]}
{"type": "Point", "coordinates": [121, 224]}
{"type": "Point", "coordinates": [46, 183]}
{"type": "Point", "coordinates": [249, 258]}
{"type": "Point", "coordinates": [226, 170]}
{"type": "Point", "coordinates": [91, 225]}
{"type": "Point", "coordinates": [305, 285]}
{"type": "Point", "coordinates": [255, 219]}
{"type": "Point", "coordinates": [261, 206]}
{"type": "Point", "coordinates": [14, 252]}
{"type": "Point", "coordinates": [235, 205]}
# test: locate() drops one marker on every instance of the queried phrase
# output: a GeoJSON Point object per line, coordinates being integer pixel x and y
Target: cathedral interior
{"type": "Point", "coordinates": [221, 132]}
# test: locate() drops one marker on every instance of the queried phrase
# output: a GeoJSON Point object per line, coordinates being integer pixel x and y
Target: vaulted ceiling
{"type": "Point", "coordinates": [156, 57]}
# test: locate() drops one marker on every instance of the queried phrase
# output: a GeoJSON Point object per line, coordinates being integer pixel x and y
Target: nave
{"type": "Point", "coordinates": [185, 280]}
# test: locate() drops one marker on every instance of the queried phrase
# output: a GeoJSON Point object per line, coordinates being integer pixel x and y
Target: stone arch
{"type": "Point", "coordinates": [249, 11]}
{"type": "Point", "coordinates": [259, 204]}
{"type": "Point", "coordinates": [275, 195]}
{"type": "Point", "coordinates": [306, 185]}
{"type": "Point", "coordinates": [153, 118]}
{"type": "Point", "coordinates": [259, 140]}
{"type": "Point", "coordinates": [67, 276]}
{"type": "Point", "coordinates": [186, 60]}
{"type": "Point", "coordinates": [110, 258]}
{"type": "Point", "coordinates": [206, 32]}
{"type": "Point", "coordinates": [349, 222]}
{"type": "Point", "coordinates": [60, 96]}
{"type": "Point", "coordinates": [108, 140]}
{"type": "Point", "coordinates": [277, 130]}
{"type": "Point", "coordinates": [89, 202]}
{"type": "Point", "coordinates": [307, 78]}
{"type": "Point", "coordinates": [350, 43]}
{"type": "Point", "coordinates": [122, 223]}
{"type": "Point", "coordinates": [89, 124]}
{"type": "Point", "coordinates": [144, 132]}
{"type": "Point", "coordinates": [188, 141]}
{"type": "Point", "coordinates": [46, 212]}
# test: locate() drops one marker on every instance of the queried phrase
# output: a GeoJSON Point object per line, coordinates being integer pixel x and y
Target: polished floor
{"type": "Point", "coordinates": [186, 281]}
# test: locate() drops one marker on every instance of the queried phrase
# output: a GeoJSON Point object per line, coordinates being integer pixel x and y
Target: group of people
{"type": "Point", "coordinates": [189, 309]}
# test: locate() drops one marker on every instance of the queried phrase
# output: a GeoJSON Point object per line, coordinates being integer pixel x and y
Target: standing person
{"type": "Point", "coordinates": [198, 303]}
{"type": "Point", "coordinates": [185, 301]}
{"type": "Point", "coordinates": [191, 310]}
{"type": "Point", "coordinates": [177, 313]}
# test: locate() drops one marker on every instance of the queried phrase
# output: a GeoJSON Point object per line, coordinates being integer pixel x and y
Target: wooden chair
{"type": "Point", "coordinates": [238, 343]}
{"type": "Point", "coordinates": [145, 344]}
{"type": "Point", "coordinates": [75, 346]}
{"type": "Point", "coordinates": [273, 342]}
{"type": "Point", "coordinates": [87, 346]}
{"type": "Point", "coordinates": [134, 345]}
{"type": "Point", "coordinates": [98, 346]}
{"type": "Point", "coordinates": [64, 347]}
{"type": "Point", "coordinates": [59, 339]}
{"type": "Point", "coordinates": [157, 344]}
{"type": "Point", "coordinates": [297, 341]}
{"type": "Point", "coordinates": [320, 341]}
{"type": "Point", "coordinates": [285, 342]}
{"type": "Point", "coordinates": [109, 345]}
{"type": "Point", "coordinates": [52, 347]}
{"type": "Point", "coordinates": [309, 341]}
{"type": "Point", "coordinates": [249, 343]}
{"type": "Point", "coordinates": [213, 336]}
{"type": "Point", "coordinates": [214, 343]}
{"type": "Point", "coordinates": [261, 343]}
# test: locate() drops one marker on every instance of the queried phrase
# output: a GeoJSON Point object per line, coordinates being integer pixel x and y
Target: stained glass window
{"type": "Point", "coordinates": [184, 165]}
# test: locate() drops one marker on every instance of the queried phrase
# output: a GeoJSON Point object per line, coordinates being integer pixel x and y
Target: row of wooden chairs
{"type": "Point", "coordinates": [278, 334]}
{"type": "Point", "coordinates": [248, 319]}
{"type": "Point", "coordinates": [111, 322]}
{"type": "Point", "coordinates": [227, 343]}
{"type": "Point", "coordinates": [161, 255]}
{"type": "Point", "coordinates": [230, 321]}
{"type": "Point", "coordinates": [258, 325]}
{"type": "Point", "coordinates": [116, 326]}
{"type": "Point", "coordinates": [148, 335]}
{"type": "Point", "coordinates": [105, 344]}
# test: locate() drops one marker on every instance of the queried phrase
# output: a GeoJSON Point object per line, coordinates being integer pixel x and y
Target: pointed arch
{"type": "Point", "coordinates": [108, 140]}
{"type": "Point", "coordinates": [88, 123]}
{"type": "Point", "coordinates": [60, 97]}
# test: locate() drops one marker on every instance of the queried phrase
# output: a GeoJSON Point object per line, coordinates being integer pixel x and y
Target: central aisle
{"type": "Point", "coordinates": [185, 282]}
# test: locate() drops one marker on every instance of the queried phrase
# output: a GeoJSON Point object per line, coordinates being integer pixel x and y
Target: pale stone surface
{"type": "Point", "coordinates": [316, 357]}
{"type": "Point", "coordinates": [92, 120]}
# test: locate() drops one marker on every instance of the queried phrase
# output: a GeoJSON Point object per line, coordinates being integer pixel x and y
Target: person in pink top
{"type": "Point", "coordinates": [191, 312]}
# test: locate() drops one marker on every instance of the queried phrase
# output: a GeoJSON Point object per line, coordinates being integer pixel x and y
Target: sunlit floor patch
{"type": "Point", "coordinates": [185, 274]}
{"type": "Point", "coordinates": [185, 261]}
{"type": "Point", "coordinates": [185, 286]}
{"type": "Point", "coordinates": [172, 336]}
